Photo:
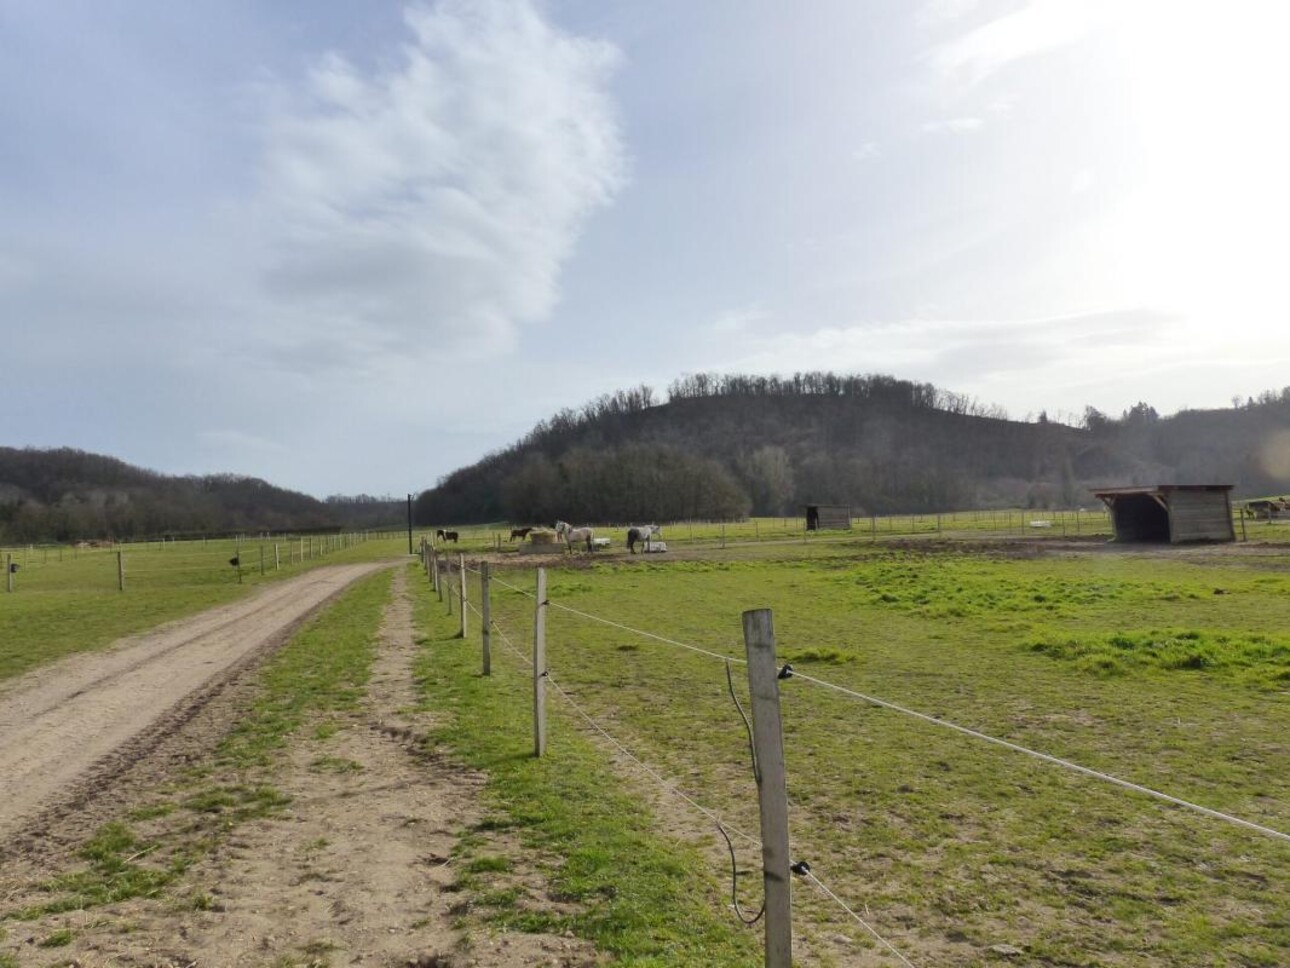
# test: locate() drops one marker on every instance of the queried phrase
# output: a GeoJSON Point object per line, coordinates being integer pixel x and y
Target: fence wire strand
{"type": "Point", "coordinates": [658, 777]}
{"type": "Point", "coordinates": [976, 734]}
{"type": "Point", "coordinates": [1047, 758]}
{"type": "Point", "coordinates": [649, 635]}
{"type": "Point", "coordinates": [823, 888]}
{"type": "Point", "coordinates": [725, 828]}
{"type": "Point", "coordinates": [494, 580]}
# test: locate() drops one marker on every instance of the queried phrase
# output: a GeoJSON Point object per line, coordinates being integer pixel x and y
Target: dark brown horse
{"type": "Point", "coordinates": [443, 535]}
{"type": "Point", "coordinates": [520, 533]}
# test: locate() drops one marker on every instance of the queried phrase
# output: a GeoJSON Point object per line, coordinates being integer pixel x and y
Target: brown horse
{"type": "Point", "coordinates": [520, 533]}
{"type": "Point", "coordinates": [443, 535]}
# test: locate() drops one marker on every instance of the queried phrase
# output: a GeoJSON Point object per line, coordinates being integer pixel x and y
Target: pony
{"type": "Point", "coordinates": [520, 533]}
{"type": "Point", "coordinates": [443, 535]}
{"type": "Point", "coordinates": [642, 533]}
{"type": "Point", "coordinates": [571, 534]}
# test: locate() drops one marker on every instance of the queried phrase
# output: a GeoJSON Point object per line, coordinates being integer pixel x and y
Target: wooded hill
{"type": "Point", "coordinates": [66, 495]}
{"type": "Point", "coordinates": [723, 446]}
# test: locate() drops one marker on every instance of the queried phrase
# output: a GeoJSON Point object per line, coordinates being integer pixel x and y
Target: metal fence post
{"type": "Point", "coordinates": [772, 786]}
{"type": "Point", "coordinates": [539, 667]}
{"type": "Point", "coordinates": [461, 575]}
{"type": "Point", "coordinates": [485, 617]}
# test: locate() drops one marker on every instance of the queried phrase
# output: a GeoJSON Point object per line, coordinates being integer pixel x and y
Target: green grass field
{"type": "Point", "coordinates": [1170, 669]}
{"type": "Point", "coordinates": [1166, 667]}
{"type": "Point", "coordinates": [67, 600]}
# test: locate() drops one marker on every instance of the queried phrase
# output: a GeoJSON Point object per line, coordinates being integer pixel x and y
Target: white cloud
{"type": "Point", "coordinates": [736, 321]}
{"type": "Point", "coordinates": [953, 125]}
{"type": "Point", "coordinates": [866, 152]}
{"type": "Point", "coordinates": [1020, 364]}
{"type": "Point", "coordinates": [1038, 26]}
{"type": "Point", "coordinates": [430, 206]}
{"type": "Point", "coordinates": [937, 13]}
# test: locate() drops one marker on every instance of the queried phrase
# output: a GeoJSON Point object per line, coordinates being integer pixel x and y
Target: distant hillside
{"type": "Point", "coordinates": [65, 495]}
{"type": "Point", "coordinates": [726, 445]}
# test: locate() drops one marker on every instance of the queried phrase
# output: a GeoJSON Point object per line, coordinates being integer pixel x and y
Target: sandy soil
{"type": "Point", "coordinates": [357, 871]}
{"type": "Point", "coordinates": [67, 728]}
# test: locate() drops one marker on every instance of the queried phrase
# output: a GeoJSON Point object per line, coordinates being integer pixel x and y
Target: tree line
{"type": "Point", "coordinates": [724, 445]}
{"type": "Point", "coordinates": [62, 495]}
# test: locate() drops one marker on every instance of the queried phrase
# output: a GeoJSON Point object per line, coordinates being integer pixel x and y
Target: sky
{"type": "Point", "coordinates": [349, 248]}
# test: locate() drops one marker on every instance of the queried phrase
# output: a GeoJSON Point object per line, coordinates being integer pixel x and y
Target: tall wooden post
{"type": "Point", "coordinates": [539, 667]}
{"type": "Point", "coordinates": [461, 575]}
{"type": "Point", "coordinates": [261, 561]}
{"type": "Point", "coordinates": [277, 557]}
{"type": "Point", "coordinates": [8, 572]}
{"type": "Point", "coordinates": [434, 565]}
{"type": "Point", "coordinates": [485, 617]}
{"type": "Point", "coordinates": [120, 571]}
{"type": "Point", "coordinates": [772, 785]}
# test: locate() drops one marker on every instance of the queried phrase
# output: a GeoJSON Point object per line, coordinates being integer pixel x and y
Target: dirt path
{"type": "Point", "coordinates": [68, 727]}
{"type": "Point", "coordinates": [358, 869]}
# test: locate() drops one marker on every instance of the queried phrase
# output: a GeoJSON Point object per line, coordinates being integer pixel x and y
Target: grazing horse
{"type": "Point", "coordinates": [520, 533]}
{"type": "Point", "coordinates": [443, 535]}
{"type": "Point", "coordinates": [571, 534]}
{"type": "Point", "coordinates": [642, 533]}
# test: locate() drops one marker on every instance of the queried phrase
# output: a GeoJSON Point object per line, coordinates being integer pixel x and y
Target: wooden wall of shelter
{"type": "Point", "coordinates": [1173, 513]}
{"type": "Point", "coordinates": [828, 517]}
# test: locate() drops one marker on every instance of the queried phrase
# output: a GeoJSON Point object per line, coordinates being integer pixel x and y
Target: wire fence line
{"type": "Point", "coordinates": [803, 869]}
{"type": "Point", "coordinates": [1047, 758]}
{"type": "Point", "coordinates": [944, 723]}
{"type": "Point", "coordinates": [129, 566]}
{"type": "Point", "coordinates": [824, 889]}
{"type": "Point", "coordinates": [672, 789]}
{"type": "Point", "coordinates": [668, 786]}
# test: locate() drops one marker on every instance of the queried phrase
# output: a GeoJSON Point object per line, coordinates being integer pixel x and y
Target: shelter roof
{"type": "Point", "coordinates": [1159, 489]}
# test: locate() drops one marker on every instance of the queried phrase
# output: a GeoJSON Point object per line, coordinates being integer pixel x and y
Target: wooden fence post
{"type": "Point", "coordinates": [8, 572]}
{"type": "Point", "coordinates": [461, 574]}
{"type": "Point", "coordinates": [120, 571]}
{"type": "Point", "coordinates": [438, 581]}
{"type": "Point", "coordinates": [772, 786]}
{"type": "Point", "coordinates": [447, 595]}
{"type": "Point", "coordinates": [485, 617]}
{"type": "Point", "coordinates": [261, 561]}
{"type": "Point", "coordinates": [539, 667]}
{"type": "Point", "coordinates": [277, 557]}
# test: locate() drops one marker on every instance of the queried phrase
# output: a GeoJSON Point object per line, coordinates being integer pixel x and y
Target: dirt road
{"type": "Point", "coordinates": [69, 726]}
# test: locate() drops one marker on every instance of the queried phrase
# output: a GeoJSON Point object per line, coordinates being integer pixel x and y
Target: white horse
{"type": "Point", "coordinates": [571, 534]}
{"type": "Point", "coordinates": [642, 533]}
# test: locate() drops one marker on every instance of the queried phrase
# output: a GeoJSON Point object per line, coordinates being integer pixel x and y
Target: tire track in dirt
{"type": "Point", "coordinates": [359, 868]}
{"type": "Point", "coordinates": [68, 728]}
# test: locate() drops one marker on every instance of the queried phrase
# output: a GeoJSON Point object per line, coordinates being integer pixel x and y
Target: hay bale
{"type": "Point", "coordinates": [543, 536]}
